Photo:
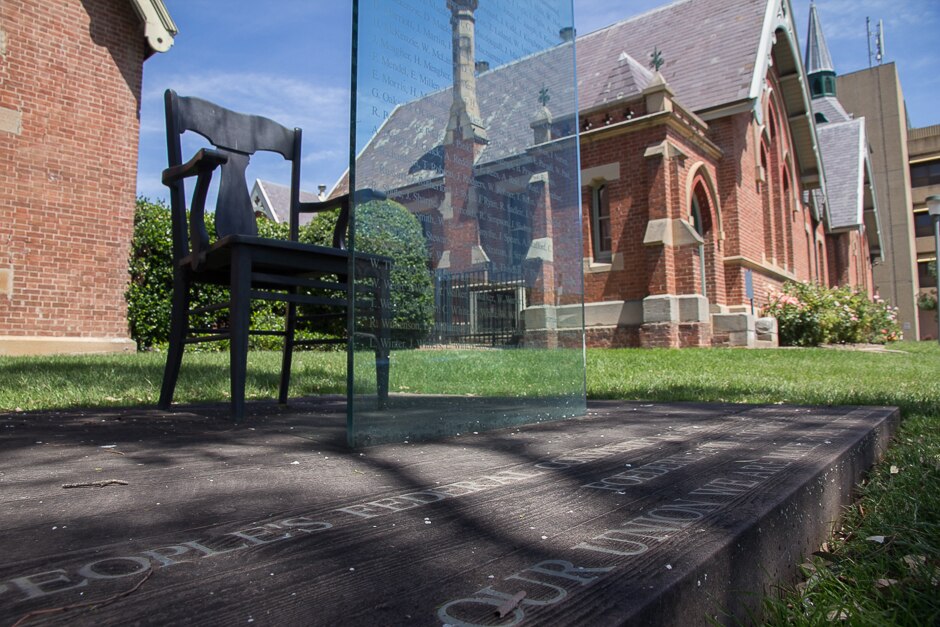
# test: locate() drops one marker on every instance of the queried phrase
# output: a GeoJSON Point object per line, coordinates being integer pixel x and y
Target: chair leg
{"type": "Point", "coordinates": [290, 324]}
{"type": "Point", "coordinates": [179, 326]}
{"type": "Point", "coordinates": [239, 322]}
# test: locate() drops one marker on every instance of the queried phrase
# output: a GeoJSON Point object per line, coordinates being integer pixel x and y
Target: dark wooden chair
{"type": "Point", "coordinates": [329, 278]}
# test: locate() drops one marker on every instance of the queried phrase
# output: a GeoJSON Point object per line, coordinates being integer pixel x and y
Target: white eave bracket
{"type": "Point", "coordinates": [159, 28]}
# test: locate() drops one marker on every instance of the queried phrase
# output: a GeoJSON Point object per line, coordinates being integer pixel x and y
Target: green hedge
{"type": "Point", "coordinates": [809, 314]}
{"type": "Point", "coordinates": [385, 227]}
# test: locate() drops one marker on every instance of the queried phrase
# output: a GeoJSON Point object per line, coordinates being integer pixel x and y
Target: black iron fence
{"type": "Point", "coordinates": [481, 307]}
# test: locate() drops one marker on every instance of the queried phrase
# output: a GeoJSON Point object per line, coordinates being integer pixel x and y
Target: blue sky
{"type": "Point", "coordinates": [289, 60]}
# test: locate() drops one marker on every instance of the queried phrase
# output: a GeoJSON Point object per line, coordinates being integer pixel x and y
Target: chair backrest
{"type": "Point", "coordinates": [239, 136]}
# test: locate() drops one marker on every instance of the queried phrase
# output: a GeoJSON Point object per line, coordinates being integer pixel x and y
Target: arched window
{"type": "Point", "coordinates": [767, 205]}
{"type": "Point", "coordinates": [772, 121]}
{"type": "Point", "coordinates": [697, 217]}
{"type": "Point", "coordinates": [786, 222]}
{"type": "Point", "coordinates": [701, 216]}
{"type": "Point", "coordinates": [602, 240]}
{"type": "Point", "coordinates": [821, 264]}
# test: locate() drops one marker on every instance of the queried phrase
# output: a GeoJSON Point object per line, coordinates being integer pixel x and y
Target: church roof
{"type": "Point", "coordinates": [818, 58]}
{"type": "Point", "coordinates": [715, 55]}
{"type": "Point", "coordinates": [710, 48]}
{"type": "Point", "coordinates": [831, 109]}
{"type": "Point", "coordinates": [273, 200]}
{"type": "Point", "coordinates": [851, 201]}
{"type": "Point", "coordinates": [843, 150]}
{"type": "Point", "coordinates": [624, 79]}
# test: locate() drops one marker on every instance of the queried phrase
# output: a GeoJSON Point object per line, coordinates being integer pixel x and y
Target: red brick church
{"type": "Point", "coordinates": [708, 176]}
{"type": "Point", "coordinates": [702, 173]}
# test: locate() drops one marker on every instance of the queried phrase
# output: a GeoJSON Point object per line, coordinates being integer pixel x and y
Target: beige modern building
{"type": "Point", "coordinates": [924, 148]}
{"type": "Point", "coordinates": [876, 94]}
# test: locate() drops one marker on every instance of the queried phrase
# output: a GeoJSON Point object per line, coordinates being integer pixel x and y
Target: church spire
{"type": "Point", "coordinates": [819, 67]}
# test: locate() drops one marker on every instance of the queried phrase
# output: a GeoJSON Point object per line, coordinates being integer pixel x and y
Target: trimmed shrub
{"type": "Point", "coordinates": [809, 314]}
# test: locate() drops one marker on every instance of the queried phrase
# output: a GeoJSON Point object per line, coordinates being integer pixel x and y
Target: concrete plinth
{"type": "Point", "coordinates": [637, 514]}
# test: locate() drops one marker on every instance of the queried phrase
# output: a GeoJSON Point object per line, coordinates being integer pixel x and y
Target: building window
{"type": "Point", "coordinates": [924, 275]}
{"type": "Point", "coordinates": [766, 204]}
{"type": "Point", "coordinates": [923, 224]}
{"type": "Point", "coordinates": [699, 226]}
{"type": "Point", "coordinates": [520, 228]}
{"type": "Point", "coordinates": [821, 264]}
{"type": "Point", "coordinates": [924, 174]}
{"type": "Point", "coordinates": [600, 219]}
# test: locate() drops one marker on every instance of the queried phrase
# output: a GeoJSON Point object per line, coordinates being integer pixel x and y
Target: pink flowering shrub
{"type": "Point", "coordinates": [809, 314]}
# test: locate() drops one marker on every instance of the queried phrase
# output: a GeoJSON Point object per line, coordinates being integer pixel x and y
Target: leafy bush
{"type": "Point", "coordinates": [388, 228]}
{"type": "Point", "coordinates": [809, 314]}
{"type": "Point", "coordinates": [384, 227]}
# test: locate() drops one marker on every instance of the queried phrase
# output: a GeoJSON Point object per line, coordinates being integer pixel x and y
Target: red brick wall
{"type": "Point", "coordinates": [637, 192]}
{"type": "Point", "coordinates": [72, 69]}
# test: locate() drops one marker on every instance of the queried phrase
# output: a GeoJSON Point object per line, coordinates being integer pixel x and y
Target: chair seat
{"type": "Point", "coordinates": [282, 257]}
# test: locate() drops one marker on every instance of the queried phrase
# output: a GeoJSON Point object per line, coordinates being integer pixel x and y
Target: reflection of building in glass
{"type": "Point", "coordinates": [701, 165]}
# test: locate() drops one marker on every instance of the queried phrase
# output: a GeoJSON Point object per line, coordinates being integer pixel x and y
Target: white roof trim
{"type": "Point", "coordinates": [763, 56]}
{"type": "Point", "coordinates": [159, 28]}
{"type": "Point", "coordinates": [266, 205]}
{"type": "Point", "coordinates": [779, 17]}
{"type": "Point", "coordinates": [862, 173]}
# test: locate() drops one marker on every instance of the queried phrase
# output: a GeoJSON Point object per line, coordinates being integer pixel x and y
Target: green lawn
{"type": "Point", "coordinates": [856, 580]}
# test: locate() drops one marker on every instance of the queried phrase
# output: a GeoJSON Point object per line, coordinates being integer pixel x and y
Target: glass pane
{"type": "Point", "coordinates": [923, 225]}
{"type": "Point", "coordinates": [466, 122]}
{"type": "Point", "coordinates": [926, 274]}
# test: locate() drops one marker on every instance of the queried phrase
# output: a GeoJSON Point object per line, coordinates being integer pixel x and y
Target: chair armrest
{"type": "Point", "coordinates": [201, 165]}
{"type": "Point", "coordinates": [342, 223]}
{"type": "Point", "coordinates": [204, 160]}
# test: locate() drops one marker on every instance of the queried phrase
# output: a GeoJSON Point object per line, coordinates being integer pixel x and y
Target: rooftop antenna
{"type": "Point", "coordinates": [881, 42]}
{"type": "Point", "coordinates": [878, 54]}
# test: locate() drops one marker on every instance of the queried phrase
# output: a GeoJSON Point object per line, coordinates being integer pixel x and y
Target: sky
{"type": "Point", "coordinates": [290, 60]}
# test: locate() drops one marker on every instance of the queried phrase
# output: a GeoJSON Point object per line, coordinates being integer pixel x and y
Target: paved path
{"type": "Point", "coordinates": [637, 513]}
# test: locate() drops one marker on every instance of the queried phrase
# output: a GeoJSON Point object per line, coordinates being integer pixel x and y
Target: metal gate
{"type": "Point", "coordinates": [480, 307]}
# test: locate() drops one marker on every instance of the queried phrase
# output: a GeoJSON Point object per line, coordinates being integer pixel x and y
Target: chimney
{"type": "Point", "coordinates": [482, 66]}
{"type": "Point", "coordinates": [567, 33]}
{"type": "Point", "coordinates": [465, 121]}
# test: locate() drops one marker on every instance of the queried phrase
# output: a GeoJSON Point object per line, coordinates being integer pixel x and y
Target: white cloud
{"type": "Point", "coordinates": [290, 101]}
